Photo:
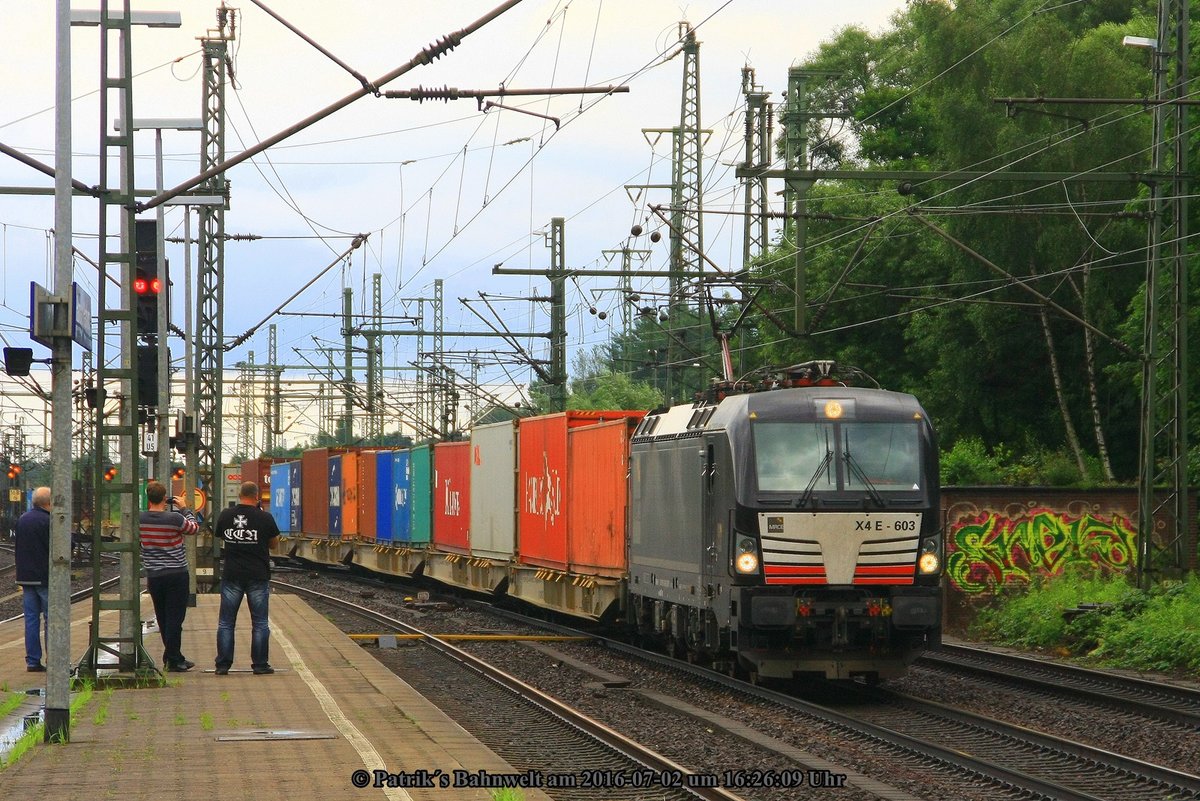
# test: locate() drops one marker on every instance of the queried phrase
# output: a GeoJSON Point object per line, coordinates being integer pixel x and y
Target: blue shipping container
{"type": "Point", "coordinates": [335, 496]}
{"type": "Point", "coordinates": [401, 496]}
{"type": "Point", "coordinates": [296, 507]}
{"type": "Point", "coordinates": [383, 497]}
{"type": "Point", "coordinates": [281, 496]}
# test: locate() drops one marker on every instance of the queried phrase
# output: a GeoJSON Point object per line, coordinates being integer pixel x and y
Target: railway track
{"type": "Point", "coordinates": [1016, 761]}
{"type": "Point", "coordinates": [1126, 694]}
{"type": "Point", "coordinates": [554, 739]}
{"type": "Point", "coordinates": [1079, 770]}
{"type": "Point", "coordinates": [1041, 765]}
{"type": "Point", "coordinates": [75, 596]}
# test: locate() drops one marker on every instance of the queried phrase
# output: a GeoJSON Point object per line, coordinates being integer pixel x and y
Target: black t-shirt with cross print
{"type": "Point", "coordinates": [247, 532]}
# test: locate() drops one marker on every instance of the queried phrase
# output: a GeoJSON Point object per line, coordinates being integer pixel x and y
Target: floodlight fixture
{"type": "Point", "coordinates": [1140, 41]}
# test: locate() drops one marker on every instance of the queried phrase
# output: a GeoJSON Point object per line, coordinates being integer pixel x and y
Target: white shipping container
{"type": "Point", "coordinates": [494, 491]}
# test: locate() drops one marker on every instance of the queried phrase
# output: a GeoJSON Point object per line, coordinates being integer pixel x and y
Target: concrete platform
{"type": "Point", "coordinates": [301, 734]}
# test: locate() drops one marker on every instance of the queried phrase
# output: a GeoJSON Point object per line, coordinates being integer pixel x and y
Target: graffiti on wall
{"type": "Point", "coordinates": [990, 549]}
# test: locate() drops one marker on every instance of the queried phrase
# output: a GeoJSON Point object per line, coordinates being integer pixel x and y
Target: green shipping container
{"type": "Point", "coordinates": [422, 494]}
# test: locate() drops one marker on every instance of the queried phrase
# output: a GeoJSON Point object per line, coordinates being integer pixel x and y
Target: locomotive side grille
{"type": "Point", "coordinates": [839, 548]}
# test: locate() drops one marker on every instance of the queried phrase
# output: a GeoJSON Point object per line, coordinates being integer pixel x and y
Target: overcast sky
{"type": "Point", "coordinates": [444, 190]}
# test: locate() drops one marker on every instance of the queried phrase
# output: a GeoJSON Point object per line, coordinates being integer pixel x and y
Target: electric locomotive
{"type": "Point", "coordinates": [790, 531]}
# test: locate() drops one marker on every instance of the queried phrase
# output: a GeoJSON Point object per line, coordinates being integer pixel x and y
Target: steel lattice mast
{"type": "Point", "coordinates": [210, 294]}
{"type": "Point", "coordinates": [1162, 469]}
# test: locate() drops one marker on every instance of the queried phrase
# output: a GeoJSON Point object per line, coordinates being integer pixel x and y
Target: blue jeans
{"type": "Point", "coordinates": [257, 595]}
{"type": "Point", "coordinates": [36, 603]}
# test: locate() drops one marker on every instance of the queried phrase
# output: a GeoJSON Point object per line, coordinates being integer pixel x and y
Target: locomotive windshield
{"type": "Point", "coordinates": [827, 457]}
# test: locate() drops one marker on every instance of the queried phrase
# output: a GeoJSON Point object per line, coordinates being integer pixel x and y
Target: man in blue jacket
{"type": "Point", "coordinates": [33, 575]}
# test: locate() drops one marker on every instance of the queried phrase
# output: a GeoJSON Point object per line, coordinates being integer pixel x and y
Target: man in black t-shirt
{"type": "Point", "coordinates": [248, 534]}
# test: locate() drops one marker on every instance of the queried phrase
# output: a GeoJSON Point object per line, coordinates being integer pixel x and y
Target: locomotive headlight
{"type": "Point", "coordinates": [746, 560]}
{"type": "Point", "coordinates": [929, 562]}
{"type": "Point", "coordinates": [747, 563]}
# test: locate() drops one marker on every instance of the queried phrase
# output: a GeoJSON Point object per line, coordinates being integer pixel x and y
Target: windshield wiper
{"type": "Point", "coordinates": [852, 463]}
{"type": "Point", "coordinates": [812, 482]}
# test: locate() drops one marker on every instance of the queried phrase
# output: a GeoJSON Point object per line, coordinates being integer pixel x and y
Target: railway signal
{"type": "Point", "coordinates": [147, 283]}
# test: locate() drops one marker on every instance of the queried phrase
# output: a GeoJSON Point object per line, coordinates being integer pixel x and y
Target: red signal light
{"type": "Point", "coordinates": [178, 472]}
{"type": "Point", "coordinates": [139, 286]}
{"type": "Point", "coordinates": [155, 286]}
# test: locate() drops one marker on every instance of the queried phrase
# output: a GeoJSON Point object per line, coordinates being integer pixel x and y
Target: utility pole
{"type": "Point", "coordinates": [347, 426]}
{"type": "Point", "coordinates": [273, 423]}
{"type": "Point", "coordinates": [626, 290]}
{"type": "Point", "coordinates": [1162, 467]}
{"type": "Point", "coordinates": [759, 133]}
{"type": "Point", "coordinates": [687, 203]}
{"type": "Point", "coordinates": [58, 638]}
{"type": "Point", "coordinates": [441, 389]}
{"type": "Point", "coordinates": [210, 275]}
{"type": "Point", "coordinates": [244, 444]}
{"type": "Point", "coordinates": [558, 316]}
{"type": "Point", "coordinates": [375, 365]}
{"type": "Point", "coordinates": [795, 193]}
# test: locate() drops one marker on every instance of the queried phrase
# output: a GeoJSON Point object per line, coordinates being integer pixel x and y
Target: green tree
{"type": "Point", "coordinates": [912, 307]}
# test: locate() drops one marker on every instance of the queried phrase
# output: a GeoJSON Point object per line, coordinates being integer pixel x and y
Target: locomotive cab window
{"type": "Point", "coordinates": [886, 454]}
{"type": "Point", "coordinates": [831, 457]}
{"type": "Point", "coordinates": [787, 456]}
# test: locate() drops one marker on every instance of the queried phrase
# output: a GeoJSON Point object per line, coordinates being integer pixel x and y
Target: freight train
{"type": "Point", "coordinates": [782, 529]}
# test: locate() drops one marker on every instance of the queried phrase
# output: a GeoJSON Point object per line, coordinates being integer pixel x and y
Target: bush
{"type": "Point", "coordinates": [1032, 617]}
{"type": "Point", "coordinates": [1129, 628]}
{"type": "Point", "coordinates": [1164, 635]}
{"type": "Point", "coordinates": [1059, 469]}
{"type": "Point", "coordinates": [968, 462]}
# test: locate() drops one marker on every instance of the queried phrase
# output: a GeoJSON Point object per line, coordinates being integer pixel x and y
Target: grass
{"type": "Point", "coordinates": [34, 734]}
{"type": "Point", "coordinates": [101, 715]}
{"type": "Point", "coordinates": [206, 721]}
{"type": "Point", "coordinates": [508, 794]}
{"type": "Point", "coordinates": [11, 702]}
{"type": "Point", "coordinates": [1157, 629]}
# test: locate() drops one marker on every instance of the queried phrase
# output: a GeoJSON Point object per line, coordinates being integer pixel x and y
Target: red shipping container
{"type": "Point", "coordinates": [314, 487]}
{"type": "Point", "coordinates": [259, 471]}
{"type": "Point", "coordinates": [366, 495]}
{"type": "Point", "coordinates": [597, 492]}
{"type": "Point", "coordinates": [542, 482]}
{"type": "Point", "coordinates": [452, 496]}
{"type": "Point", "coordinates": [350, 471]}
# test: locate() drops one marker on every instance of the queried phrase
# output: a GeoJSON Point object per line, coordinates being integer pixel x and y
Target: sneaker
{"type": "Point", "coordinates": [263, 670]}
{"type": "Point", "coordinates": [38, 668]}
{"type": "Point", "coordinates": [221, 671]}
{"type": "Point", "coordinates": [180, 667]}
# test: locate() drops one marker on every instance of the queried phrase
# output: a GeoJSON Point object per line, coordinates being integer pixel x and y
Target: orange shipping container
{"type": "Point", "coordinates": [542, 482]}
{"type": "Point", "coordinates": [452, 496]}
{"type": "Point", "coordinates": [597, 462]}
{"type": "Point", "coordinates": [350, 470]}
{"type": "Point", "coordinates": [366, 495]}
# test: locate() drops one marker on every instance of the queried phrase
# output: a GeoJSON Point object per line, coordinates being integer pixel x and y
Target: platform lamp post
{"type": "Point", "coordinates": [58, 678]}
